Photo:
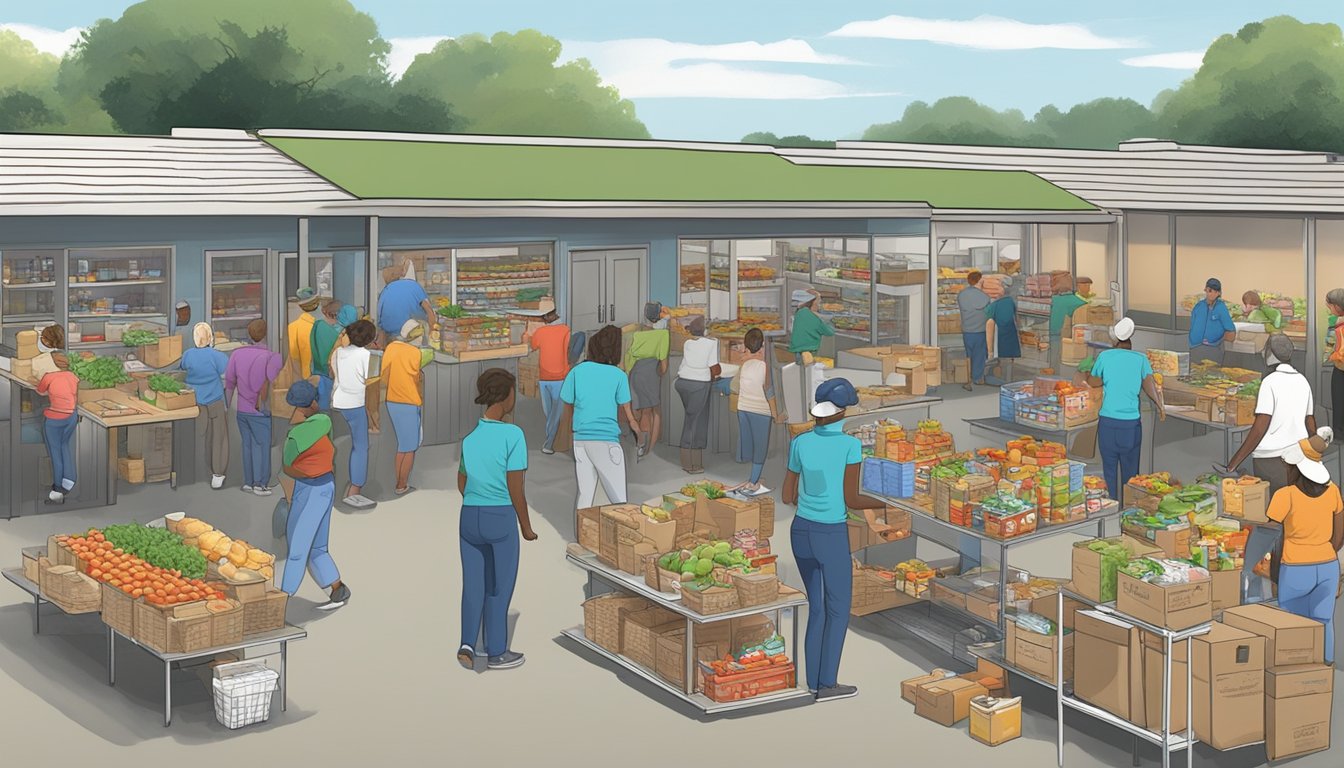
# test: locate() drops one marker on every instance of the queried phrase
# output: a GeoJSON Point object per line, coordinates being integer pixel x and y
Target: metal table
{"type": "Point", "coordinates": [281, 636]}
{"type": "Point", "coordinates": [1011, 429]}
{"type": "Point", "coordinates": [1230, 432]}
{"type": "Point", "coordinates": [629, 583]}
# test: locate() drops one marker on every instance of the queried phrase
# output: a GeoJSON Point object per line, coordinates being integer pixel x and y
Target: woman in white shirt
{"type": "Point", "coordinates": [350, 370]}
{"type": "Point", "coordinates": [695, 382]}
{"type": "Point", "coordinates": [755, 411]}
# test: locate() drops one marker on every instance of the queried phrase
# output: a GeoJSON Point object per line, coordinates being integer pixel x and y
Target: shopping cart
{"type": "Point", "coordinates": [243, 691]}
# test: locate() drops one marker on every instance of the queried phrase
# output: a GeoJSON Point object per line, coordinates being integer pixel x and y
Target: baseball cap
{"type": "Point", "coordinates": [833, 396]}
{"type": "Point", "coordinates": [301, 394]}
{"type": "Point", "coordinates": [1124, 329]}
{"type": "Point", "coordinates": [1215, 284]}
{"type": "Point", "coordinates": [181, 304]}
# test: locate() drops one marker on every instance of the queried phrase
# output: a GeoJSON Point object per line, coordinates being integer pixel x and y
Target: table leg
{"type": "Point", "coordinates": [167, 694]}
{"type": "Point", "coordinates": [37, 614]}
{"type": "Point", "coordinates": [688, 684]}
{"type": "Point", "coordinates": [284, 682]}
{"type": "Point", "coordinates": [796, 652]}
{"type": "Point", "coordinates": [1134, 752]}
{"type": "Point", "coordinates": [111, 657]}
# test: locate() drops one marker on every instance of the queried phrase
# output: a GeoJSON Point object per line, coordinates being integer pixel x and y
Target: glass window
{"type": "Point", "coordinates": [1096, 250]}
{"type": "Point", "coordinates": [27, 292]}
{"type": "Point", "coordinates": [961, 247]}
{"type": "Point", "coordinates": [1260, 254]}
{"type": "Point", "coordinates": [693, 274]}
{"type": "Point", "coordinates": [497, 278]}
{"type": "Point", "coordinates": [760, 271]}
{"type": "Point", "coordinates": [1329, 271]}
{"type": "Point", "coordinates": [902, 265]}
{"type": "Point", "coordinates": [113, 289]}
{"type": "Point", "coordinates": [1148, 242]}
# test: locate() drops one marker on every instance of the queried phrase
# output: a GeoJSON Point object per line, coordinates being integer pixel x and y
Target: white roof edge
{"type": "Point", "coordinates": [1165, 146]}
{"type": "Point", "coordinates": [537, 141]}
{"type": "Point", "coordinates": [317, 208]}
{"type": "Point", "coordinates": [621, 209]}
{"type": "Point", "coordinates": [231, 134]}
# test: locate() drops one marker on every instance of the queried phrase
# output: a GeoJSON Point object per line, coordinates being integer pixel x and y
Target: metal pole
{"type": "Point", "coordinates": [1166, 702]}
{"type": "Point", "coordinates": [111, 656]}
{"type": "Point", "coordinates": [1189, 705]}
{"type": "Point", "coordinates": [1003, 587]}
{"type": "Point", "coordinates": [303, 252]}
{"type": "Point", "coordinates": [284, 676]}
{"type": "Point", "coordinates": [37, 614]}
{"type": "Point", "coordinates": [688, 684]}
{"type": "Point", "coordinates": [1059, 681]}
{"type": "Point", "coordinates": [167, 693]}
{"type": "Point", "coordinates": [797, 655]}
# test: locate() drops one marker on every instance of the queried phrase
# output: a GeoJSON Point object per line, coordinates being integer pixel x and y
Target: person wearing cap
{"type": "Point", "coordinates": [593, 391]}
{"type": "Point", "coordinates": [402, 374]}
{"type": "Point", "coordinates": [403, 299]}
{"type": "Point", "coordinates": [249, 373]}
{"type": "Point", "coordinates": [972, 304]}
{"type": "Point", "coordinates": [551, 341]}
{"type": "Point", "coordinates": [322, 340]}
{"type": "Point", "coordinates": [350, 374]}
{"type": "Point", "coordinates": [300, 333]}
{"type": "Point", "coordinates": [1210, 325]}
{"type": "Point", "coordinates": [823, 483]}
{"type": "Point", "coordinates": [695, 385]}
{"type": "Point", "coordinates": [1062, 307]}
{"type": "Point", "coordinates": [808, 327]}
{"type": "Point", "coordinates": [60, 417]}
{"type": "Point", "coordinates": [1285, 414]}
{"type": "Point", "coordinates": [1122, 373]}
{"type": "Point", "coordinates": [205, 367]}
{"type": "Point", "coordinates": [1312, 515]}
{"type": "Point", "coordinates": [646, 362]}
{"type": "Point", "coordinates": [309, 458]}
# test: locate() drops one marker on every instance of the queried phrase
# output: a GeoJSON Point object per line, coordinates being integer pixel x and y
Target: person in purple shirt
{"type": "Point", "coordinates": [250, 371]}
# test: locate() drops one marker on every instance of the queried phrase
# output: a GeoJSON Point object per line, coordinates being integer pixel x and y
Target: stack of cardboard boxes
{"type": "Point", "coordinates": [945, 697]}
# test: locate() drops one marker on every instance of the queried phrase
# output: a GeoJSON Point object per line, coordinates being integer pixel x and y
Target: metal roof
{"type": "Point", "coordinates": [192, 172]}
{"type": "Point", "coordinates": [1143, 174]}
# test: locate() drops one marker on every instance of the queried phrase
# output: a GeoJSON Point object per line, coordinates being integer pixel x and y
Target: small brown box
{"type": "Point", "coordinates": [266, 614]}
{"type": "Point", "coordinates": [947, 702]}
{"type": "Point", "coordinates": [131, 469]}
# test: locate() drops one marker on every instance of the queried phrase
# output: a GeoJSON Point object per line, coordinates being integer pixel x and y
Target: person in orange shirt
{"type": "Point", "coordinates": [1312, 514]}
{"type": "Point", "coordinates": [402, 374]}
{"type": "Point", "coordinates": [552, 342]}
{"type": "Point", "coordinates": [300, 333]}
{"type": "Point", "coordinates": [61, 388]}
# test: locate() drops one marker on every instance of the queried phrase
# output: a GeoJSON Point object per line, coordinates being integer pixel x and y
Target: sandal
{"type": "Point", "coordinates": [404, 491]}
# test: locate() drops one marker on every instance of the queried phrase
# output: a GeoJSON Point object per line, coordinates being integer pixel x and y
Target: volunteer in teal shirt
{"type": "Point", "coordinates": [494, 510]}
{"type": "Point", "coordinates": [808, 327]}
{"type": "Point", "coordinates": [1062, 308]}
{"type": "Point", "coordinates": [592, 392]}
{"type": "Point", "coordinates": [822, 482]}
{"type": "Point", "coordinates": [1122, 373]}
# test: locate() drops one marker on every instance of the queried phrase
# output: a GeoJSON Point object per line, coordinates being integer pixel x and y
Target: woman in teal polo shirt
{"type": "Point", "coordinates": [593, 392]}
{"type": "Point", "coordinates": [494, 509]}
{"type": "Point", "coordinates": [1122, 373]}
{"type": "Point", "coordinates": [823, 482]}
{"type": "Point", "coordinates": [808, 328]}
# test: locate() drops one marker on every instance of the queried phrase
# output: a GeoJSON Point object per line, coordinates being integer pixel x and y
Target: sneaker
{"type": "Point", "coordinates": [761, 490]}
{"type": "Point", "coordinates": [217, 482]}
{"type": "Point", "coordinates": [55, 497]}
{"type": "Point", "coordinates": [967, 387]}
{"type": "Point", "coordinates": [506, 660]}
{"type": "Point", "coordinates": [466, 656]}
{"type": "Point", "coordinates": [548, 450]}
{"type": "Point", "coordinates": [836, 692]}
{"type": "Point", "coordinates": [248, 488]}
{"type": "Point", "coordinates": [262, 490]}
{"type": "Point", "coordinates": [339, 597]}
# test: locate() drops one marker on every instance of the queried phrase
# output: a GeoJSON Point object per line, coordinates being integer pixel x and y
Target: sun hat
{"type": "Point", "coordinates": [181, 304]}
{"type": "Point", "coordinates": [307, 298]}
{"type": "Point", "coordinates": [833, 396]}
{"type": "Point", "coordinates": [1124, 329]}
{"type": "Point", "coordinates": [544, 307]}
{"type": "Point", "coordinates": [1306, 456]}
{"type": "Point", "coordinates": [202, 335]}
{"type": "Point", "coordinates": [301, 394]}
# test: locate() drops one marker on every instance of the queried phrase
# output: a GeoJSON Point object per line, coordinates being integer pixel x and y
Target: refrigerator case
{"type": "Point", "coordinates": [502, 279]}
{"type": "Point", "coordinates": [27, 291]}
{"type": "Point", "coordinates": [111, 290]}
{"type": "Point", "coordinates": [236, 287]}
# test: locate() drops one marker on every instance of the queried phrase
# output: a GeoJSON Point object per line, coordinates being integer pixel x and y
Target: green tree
{"type": "Point", "coordinates": [960, 120]}
{"type": "Point", "coordinates": [27, 85]}
{"type": "Point", "coordinates": [798, 140]}
{"type": "Point", "coordinates": [1099, 124]}
{"type": "Point", "coordinates": [158, 49]}
{"type": "Point", "coordinates": [512, 84]}
{"type": "Point", "coordinates": [1277, 83]}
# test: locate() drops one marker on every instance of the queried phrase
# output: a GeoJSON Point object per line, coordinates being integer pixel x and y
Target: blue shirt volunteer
{"type": "Point", "coordinates": [399, 302]}
{"type": "Point", "coordinates": [489, 454]}
{"type": "Point", "coordinates": [205, 368]}
{"type": "Point", "coordinates": [1208, 325]}
{"type": "Point", "coordinates": [819, 458]}
{"type": "Point", "coordinates": [604, 388]}
{"type": "Point", "coordinates": [1122, 372]}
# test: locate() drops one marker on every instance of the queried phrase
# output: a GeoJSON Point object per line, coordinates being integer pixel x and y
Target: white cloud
{"type": "Point", "coordinates": [405, 49]}
{"type": "Point", "coordinates": [991, 33]}
{"type": "Point", "coordinates": [1190, 60]}
{"type": "Point", "coordinates": [53, 41]}
{"type": "Point", "coordinates": [662, 69]}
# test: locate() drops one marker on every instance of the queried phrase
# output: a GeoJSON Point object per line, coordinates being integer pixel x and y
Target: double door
{"type": "Point", "coordinates": [607, 287]}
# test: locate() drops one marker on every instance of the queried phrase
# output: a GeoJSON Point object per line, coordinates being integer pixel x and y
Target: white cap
{"type": "Point", "coordinates": [802, 296]}
{"type": "Point", "coordinates": [182, 304]}
{"type": "Point", "coordinates": [1123, 330]}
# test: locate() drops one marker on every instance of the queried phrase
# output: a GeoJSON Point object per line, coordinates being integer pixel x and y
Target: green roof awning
{"type": "Point", "coordinates": [384, 169]}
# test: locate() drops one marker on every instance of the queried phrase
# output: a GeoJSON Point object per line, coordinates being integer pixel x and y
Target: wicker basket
{"type": "Point", "coordinates": [226, 627]}
{"type": "Point", "coordinates": [71, 591]}
{"type": "Point", "coordinates": [640, 631]}
{"type": "Point", "coordinates": [265, 615]}
{"type": "Point", "coordinates": [119, 610]}
{"type": "Point", "coordinates": [159, 629]}
{"type": "Point", "coordinates": [669, 581]}
{"type": "Point", "coordinates": [767, 528]}
{"type": "Point", "coordinates": [755, 588]}
{"type": "Point", "coordinates": [588, 529]}
{"type": "Point", "coordinates": [602, 618]}
{"type": "Point", "coordinates": [651, 573]}
{"type": "Point", "coordinates": [708, 602]}
{"type": "Point", "coordinates": [626, 558]}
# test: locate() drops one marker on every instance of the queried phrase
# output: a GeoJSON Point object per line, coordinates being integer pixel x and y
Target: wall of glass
{"type": "Point", "coordinates": [991, 249]}
{"type": "Point", "coordinates": [1148, 270]}
{"type": "Point", "coordinates": [479, 279]}
{"type": "Point", "coordinates": [1260, 254]}
{"type": "Point", "coordinates": [1329, 273]}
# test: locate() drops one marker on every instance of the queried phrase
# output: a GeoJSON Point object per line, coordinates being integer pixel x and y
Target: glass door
{"type": "Point", "coordinates": [235, 291]}
{"type": "Point", "coordinates": [28, 290]}
{"type": "Point", "coordinates": [341, 275]}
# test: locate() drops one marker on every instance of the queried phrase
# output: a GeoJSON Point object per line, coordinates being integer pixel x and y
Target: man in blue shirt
{"type": "Point", "coordinates": [1122, 373]}
{"type": "Point", "coordinates": [403, 299]}
{"type": "Point", "coordinates": [822, 482]}
{"type": "Point", "coordinates": [1210, 325]}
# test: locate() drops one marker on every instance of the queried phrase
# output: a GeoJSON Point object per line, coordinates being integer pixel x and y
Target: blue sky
{"type": "Point", "coordinates": [718, 70]}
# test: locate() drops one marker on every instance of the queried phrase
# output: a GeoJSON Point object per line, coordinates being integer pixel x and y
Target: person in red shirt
{"type": "Point", "coordinates": [552, 343]}
{"type": "Point", "coordinates": [62, 390]}
{"type": "Point", "coordinates": [310, 458]}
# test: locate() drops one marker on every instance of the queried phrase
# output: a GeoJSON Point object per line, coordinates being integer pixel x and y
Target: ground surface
{"type": "Point", "coordinates": [377, 680]}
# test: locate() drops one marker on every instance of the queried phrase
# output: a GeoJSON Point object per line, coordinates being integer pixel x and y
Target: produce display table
{"type": "Point", "coordinates": [1005, 428]}
{"type": "Point", "coordinates": [623, 581]}
{"type": "Point", "coordinates": [281, 636]}
{"type": "Point", "coordinates": [1232, 434]}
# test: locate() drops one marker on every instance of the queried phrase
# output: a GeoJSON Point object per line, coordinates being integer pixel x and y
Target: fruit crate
{"type": "Point", "coordinates": [755, 588]}
{"type": "Point", "coordinates": [750, 684]}
{"type": "Point", "coordinates": [708, 602]}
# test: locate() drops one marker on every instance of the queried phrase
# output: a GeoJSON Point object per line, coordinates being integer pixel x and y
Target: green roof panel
{"type": "Point", "coordinates": [431, 170]}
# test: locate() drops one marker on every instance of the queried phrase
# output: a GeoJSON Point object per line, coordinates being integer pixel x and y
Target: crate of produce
{"type": "Point", "coordinates": [1009, 395]}
{"type": "Point", "coordinates": [65, 587]}
{"type": "Point", "coordinates": [266, 614]}
{"type": "Point", "coordinates": [1005, 516]}
{"type": "Point", "coordinates": [958, 494]}
{"type": "Point", "coordinates": [708, 601]}
{"type": "Point", "coordinates": [755, 589]}
{"type": "Point", "coordinates": [1167, 362]}
{"type": "Point", "coordinates": [242, 693]}
{"type": "Point", "coordinates": [118, 609]}
{"type": "Point", "coordinates": [776, 678]}
{"type": "Point", "coordinates": [602, 618]}
{"type": "Point", "coordinates": [173, 629]}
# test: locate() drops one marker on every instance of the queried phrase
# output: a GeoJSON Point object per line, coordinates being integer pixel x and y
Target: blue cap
{"type": "Point", "coordinates": [833, 396]}
{"type": "Point", "coordinates": [301, 394]}
{"type": "Point", "coordinates": [347, 315]}
{"type": "Point", "coordinates": [1215, 284]}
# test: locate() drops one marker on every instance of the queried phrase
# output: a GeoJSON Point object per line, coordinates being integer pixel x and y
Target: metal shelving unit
{"type": "Point", "coordinates": [623, 581]}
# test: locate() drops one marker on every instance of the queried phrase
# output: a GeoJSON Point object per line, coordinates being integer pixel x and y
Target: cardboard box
{"type": "Point", "coordinates": [1112, 678]}
{"type": "Point", "coordinates": [1048, 607]}
{"type": "Point", "coordinates": [914, 381]}
{"type": "Point", "coordinates": [1247, 502]}
{"type": "Point", "coordinates": [1179, 606]}
{"type": "Point", "coordinates": [1086, 574]}
{"type": "Point", "coordinates": [1035, 653]}
{"type": "Point", "coordinates": [1072, 352]}
{"type": "Point", "coordinates": [163, 354]}
{"type": "Point", "coordinates": [1229, 682]}
{"type": "Point", "coordinates": [947, 702]}
{"type": "Point", "coordinates": [663, 534]}
{"type": "Point", "coordinates": [727, 516]}
{"type": "Point", "coordinates": [958, 371]}
{"type": "Point", "coordinates": [911, 686]}
{"type": "Point", "coordinates": [1154, 662]}
{"type": "Point", "coordinates": [1298, 703]}
{"type": "Point", "coordinates": [1173, 543]}
{"type": "Point", "coordinates": [1289, 639]}
{"type": "Point", "coordinates": [1226, 590]}
{"type": "Point", "coordinates": [994, 721]}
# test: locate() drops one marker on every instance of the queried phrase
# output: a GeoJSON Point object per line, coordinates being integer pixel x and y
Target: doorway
{"type": "Point", "coordinates": [607, 287]}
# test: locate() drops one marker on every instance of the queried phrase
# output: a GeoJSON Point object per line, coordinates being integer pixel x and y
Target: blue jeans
{"type": "Point", "coordinates": [60, 438]}
{"type": "Point", "coordinates": [552, 407]}
{"type": "Point", "coordinates": [324, 386]}
{"type": "Point", "coordinates": [977, 349]}
{"type": "Point", "coordinates": [489, 573]}
{"type": "Point", "coordinates": [1309, 591]}
{"type": "Point", "coordinates": [1119, 441]}
{"type": "Point", "coordinates": [822, 553]}
{"type": "Point", "coordinates": [358, 421]}
{"type": "Point", "coordinates": [308, 531]}
{"type": "Point", "coordinates": [256, 431]}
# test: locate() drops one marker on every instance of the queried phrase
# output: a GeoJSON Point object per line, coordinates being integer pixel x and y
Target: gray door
{"type": "Point", "coordinates": [587, 299]}
{"type": "Point", "coordinates": [606, 288]}
{"type": "Point", "coordinates": [625, 286]}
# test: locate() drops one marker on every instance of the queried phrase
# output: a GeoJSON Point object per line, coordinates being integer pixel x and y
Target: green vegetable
{"type": "Point", "coordinates": [139, 338]}
{"type": "Point", "coordinates": [452, 311]}
{"type": "Point", "coordinates": [159, 547]}
{"type": "Point", "coordinates": [99, 372]}
{"type": "Point", "coordinates": [160, 382]}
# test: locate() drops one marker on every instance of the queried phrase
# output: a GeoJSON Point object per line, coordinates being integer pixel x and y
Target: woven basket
{"type": "Point", "coordinates": [602, 618]}
{"type": "Point", "coordinates": [118, 610]}
{"type": "Point", "coordinates": [755, 588]}
{"type": "Point", "coordinates": [265, 615]}
{"type": "Point", "coordinates": [767, 528]}
{"type": "Point", "coordinates": [626, 558]}
{"type": "Point", "coordinates": [708, 602]}
{"type": "Point", "coordinates": [226, 628]}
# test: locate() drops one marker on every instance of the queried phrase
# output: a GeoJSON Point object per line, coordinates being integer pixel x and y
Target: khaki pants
{"type": "Point", "coordinates": [213, 417]}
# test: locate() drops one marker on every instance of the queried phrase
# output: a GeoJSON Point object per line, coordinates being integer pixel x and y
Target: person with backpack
{"type": "Point", "coordinates": [249, 374]}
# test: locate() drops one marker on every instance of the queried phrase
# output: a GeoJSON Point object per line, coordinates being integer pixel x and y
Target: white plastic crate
{"type": "Point", "coordinates": [243, 692]}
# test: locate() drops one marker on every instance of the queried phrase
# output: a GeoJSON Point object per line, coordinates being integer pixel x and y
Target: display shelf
{"type": "Point", "coordinates": [467, 282]}
{"type": "Point", "coordinates": [238, 281]}
{"type": "Point", "coordinates": [836, 282]}
{"type": "Point", "coordinates": [697, 700]}
{"type": "Point", "coordinates": [1175, 741]}
{"type": "Point", "coordinates": [937, 625]}
{"type": "Point", "coordinates": [115, 283]}
{"type": "Point", "coordinates": [1013, 429]}
{"type": "Point", "coordinates": [238, 318]}
{"type": "Point", "coordinates": [28, 286]}
{"type": "Point", "coordinates": [115, 315]}
{"type": "Point", "coordinates": [30, 318]}
{"type": "Point", "coordinates": [1043, 532]}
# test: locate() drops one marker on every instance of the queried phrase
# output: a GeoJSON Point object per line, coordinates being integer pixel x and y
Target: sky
{"type": "Point", "coordinates": [719, 70]}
